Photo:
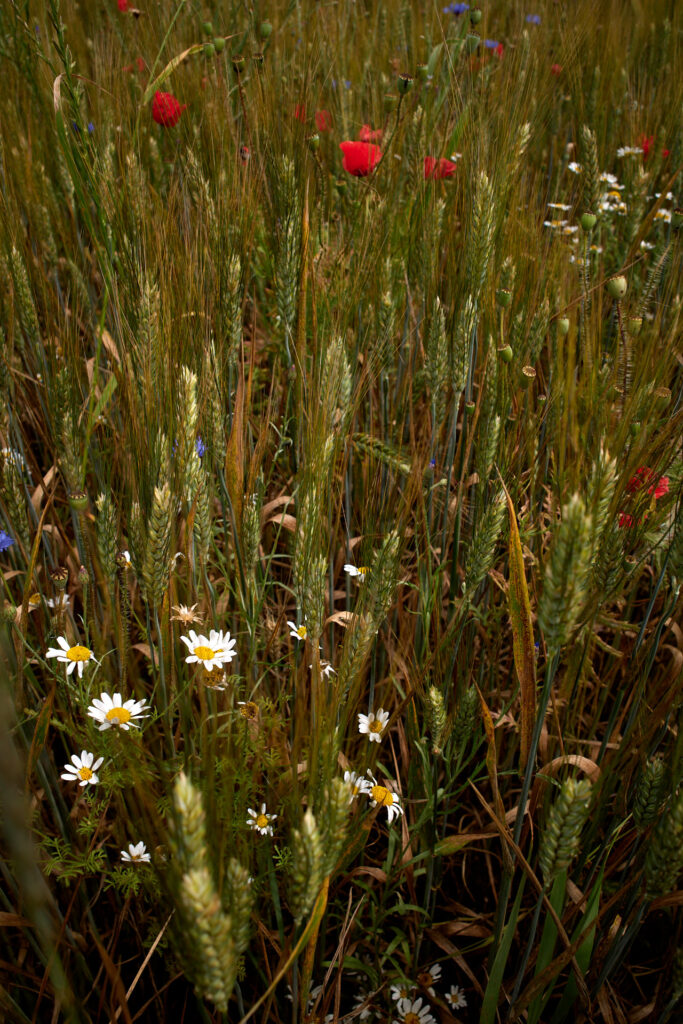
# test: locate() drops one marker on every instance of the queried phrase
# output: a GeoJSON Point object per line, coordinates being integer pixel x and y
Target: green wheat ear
{"type": "Point", "coordinates": [562, 835]}
{"type": "Point", "coordinates": [466, 716]}
{"type": "Point", "coordinates": [650, 792]}
{"type": "Point", "coordinates": [566, 576]}
{"type": "Point", "coordinates": [106, 535]}
{"type": "Point", "coordinates": [308, 858]}
{"type": "Point", "coordinates": [664, 857]}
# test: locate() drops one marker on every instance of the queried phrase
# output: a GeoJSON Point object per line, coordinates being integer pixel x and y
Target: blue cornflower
{"type": "Point", "coordinates": [456, 8]}
{"type": "Point", "coordinates": [432, 463]}
{"type": "Point", "coordinates": [91, 127]}
{"type": "Point", "coordinates": [491, 44]}
{"type": "Point", "coordinates": [534, 19]}
{"type": "Point", "coordinates": [5, 541]}
{"type": "Point", "coordinates": [200, 447]}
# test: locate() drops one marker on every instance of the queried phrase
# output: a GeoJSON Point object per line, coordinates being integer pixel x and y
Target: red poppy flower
{"type": "Point", "coordinates": [124, 5]}
{"type": "Point", "coordinates": [646, 144]}
{"type": "Point", "coordinates": [556, 69]}
{"type": "Point", "coordinates": [360, 158]}
{"type": "Point", "coordinates": [166, 109]}
{"type": "Point", "coordinates": [499, 50]}
{"type": "Point", "coordinates": [323, 120]}
{"type": "Point", "coordinates": [625, 520]}
{"type": "Point", "coordinates": [442, 168]}
{"type": "Point", "coordinates": [368, 134]}
{"type": "Point", "coordinates": [645, 476]}
{"type": "Point", "coordinates": [300, 112]}
{"type": "Point", "coordinates": [665, 153]}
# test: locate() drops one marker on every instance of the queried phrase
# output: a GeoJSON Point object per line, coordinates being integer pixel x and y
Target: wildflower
{"type": "Point", "coordinates": [358, 783]}
{"type": "Point", "coordinates": [434, 168]}
{"type": "Point", "coordinates": [373, 724]}
{"type": "Point", "coordinates": [200, 448]}
{"type": "Point", "coordinates": [456, 9]}
{"type": "Point", "coordinates": [427, 978]}
{"type": "Point", "coordinates": [166, 109]}
{"type": "Point", "coordinates": [71, 656]}
{"type": "Point", "coordinates": [555, 224]}
{"type": "Point", "coordinates": [359, 572]}
{"type": "Point", "coordinates": [248, 709]}
{"type": "Point", "coordinates": [456, 998]}
{"type": "Point", "coordinates": [382, 796]}
{"type": "Point", "coordinates": [124, 560]}
{"type": "Point", "coordinates": [611, 179]}
{"type": "Point", "coordinates": [664, 215]}
{"type": "Point", "coordinates": [629, 151]}
{"type": "Point", "coordinates": [300, 112]}
{"type": "Point", "coordinates": [560, 206]}
{"type": "Point", "coordinates": [61, 603]}
{"type": "Point", "coordinates": [398, 992]}
{"type": "Point", "coordinates": [325, 668]}
{"type": "Point", "coordinates": [570, 229]}
{"type": "Point", "coordinates": [360, 158]}
{"type": "Point", "coordinates": [323, 120]}
{"type": "Point", "coordinates": [493, 44]}
{"type": "Point", "coordinates": [642, 477]}
{"type": "Point", "coordinates": [298, 632]}
{"type": "Point", "coordinates": [123, 5]}
{"type": "Point", "coordinates": [414, 1012]}
{"type": "Point", "coordinates": [359, 999]}
{"type": "Point", "coordinates": [647, 246]}
{"type": "Point", "coordinates": [136, 854]}
{"type": "Point", "coordinates": [184, 614]}
{"type": "Point", "coordinates": [368, 134]}
{"type": "Point", "coordinates": [574, 167]}
{"type": "Point", "coordinates": [260, 822]}
{"type": "Point", "coordinates": [533, 19]}
{"type": "Point", "coordinates": [556, 69]}
{"type": "Point", "coordinates": [214, 651]}
{"type": "Point", "coordinates": [82, 769]}
{"type": "Point", "coordinates": [109, 711]}
{"type": "Point", "coordinates": [646, 145]}
{"type": "Point", "coordinates": [244, 154]}
{"type": "Point", "coordinates": [5, 541]}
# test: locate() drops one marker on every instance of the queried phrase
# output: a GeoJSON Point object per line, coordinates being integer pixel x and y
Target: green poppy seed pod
{"type": "Point", "coordinates": [209, 50]}
{"type": "Point", "coordinates": [588, 221]}
{"type": "Point", "coordinates": [528, 376]}
{"type": "Point", "coordinates": [505, 353]}
{"type": "Point", "coordinates": [257, 59]}
{"type": "Point", "coordinates": [634, 324]}
{"type": "Point", "coordinates": [265, 29]}
{"type": "Point", "coordinates": [662, 397]}
{"type": "Point", "coordinates": [617, 286]}
{"type": "Point", "coordinates": [472, 40]}
{"type": "Point", "coordinates": [563, 326]}
{"type": "Point", "coordinates": [405, 84]}
{"type": "Point", "coordinates": [635, 428]}
{"type": "Point", "coordinates": [219, 44]}
{"type": "Point", "coordinates": [677, 218]}
{"type": "Point", "coordinates": [469, 408]}
{"type": "Point", "coordinates": [542, 399]}
{"type": "Point", "coordinates": [78, 500]}
{"type": "Point", "coordinates": [504, 297]}
{"type": "Point", "coordinates": [475, 15]}
{"type": "Point", "coordinates": [207, 28]}
{"type": "Point", "coordinates": [238, 64]}
{"type": "Point", "coordinates": [422, 70]}
{"type": "Point", "coordinates": [313, 142]}
{"type": "Point", "coordinates": [59, 577]}
{"type": "Point", "coordinates": [390, 101]}
{"type": "Point", "coordinates": [341, 186]}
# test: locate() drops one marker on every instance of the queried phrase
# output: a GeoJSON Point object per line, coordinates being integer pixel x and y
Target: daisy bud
{"type": "Point", "coordinates": [405, 84]}
{"type": "Point", "coordinates": [588, 221]}
{"type": "Point", "coordinates": [635, 324]}
{"type": "Point", "coordinates": [563, 326]}
{"type": "Point", "coordinates": [616, 287]}
{"type": "Point", "coordinates": [505, 353]}
{"type": "Point", "coordinates": [219, 44]}
{"type": "Point", "coordinates": [265, 29]}
{"type": "Point", "coordinates": [475, 15]}
{"type": "Point", "coordinates": [528, 376]}
{"type": "Point", "coordinates": [472, 40]}
{"type": "Point", "coordinates": [504, 297]}
{"type": "Point", "coordinates": [59, 577]}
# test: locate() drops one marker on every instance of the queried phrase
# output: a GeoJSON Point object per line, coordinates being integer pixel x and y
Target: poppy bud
{"type": "Point", "coordinates": [207, 28]}
{"type": "Point", "coordinates": [505, 353]}
{"type": "Point", "coordinates": [475, 15]}
{"type": "Point", "coordinates": [677, 218]}
{"type": "Point", "coordinates": [405, 84]}
{"type": "Point", "coordinates": [635, 324]}
{"type": "Point", "coordinates": [472, 40]}
{"type": "Point", "coordinates": [563, 326]}
{"type": "Point", "coordinates": [209, 50]}
{"type": "Point", "coordinates": [616, 286]}
{"type": "Point", "coordinates": [265, 29]}
{"type": "Point", "coordinates": [422, 71]}
{"type": "Point", "coordinates": [528, 376]}
{"type": "Point", "coordinates": [504, 297]}
{"type": "Point", "coordinates": [219, 44]}
{"type": "Point", "coordinates": [634, 428]}
{"type": "Point", "coordinates": [244, 154]}
{"type": "Point", "coordinates": [588, 221]}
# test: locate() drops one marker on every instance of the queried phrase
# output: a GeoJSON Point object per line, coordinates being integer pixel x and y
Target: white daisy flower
{"type": "Point", "coordinates": [373, 724]}
{"type": "Point", "coordinates": [456, 998]}
{"type": "Point", "coordinates": [360, 571]}
{"type": "Point", "coordinates": [413, 1012]}
{"type": "Point", "coordinates": [109, 711]}
{"type": "Point", "coordinates": [70, 656]}
{"type": "Point", "coordinates": [427, 978]}
{"type": "Point", "coordinates": [125, 557]}
{"type": "Point", "coordinates": [647, 246]}
{"type": "Point", "coordinates": [404, 991]}
{"type": "Point", "coordinates": [627, 151]}
{"type": "Point", "coordinates": [611, 179]}
{"type": "Point", "coordinates": [382, 796]}
{"type": "Point", "coordinates": [325, 668]}
{"type": "Point", "coordinates": [136, 854]}
{"type": "Point", "coordinates": [570, 229]}
{"type": "Point", "coordinates": [574, 167]}
{"type": "Point", "coordinates": [360, 998]}
{"type": "Point", "coordinates": [358, 783]}
{"type": "Point", "coordinates": [560, 206]}
{"type": "Point", "coordinates": [555, 224]}
{"type": "Point", "coordinates": [82, 769]}
{"type": "Point", "coordinates": [260, 821]}
{"type": "Point", "coordinates": [61, 602]}
{"type": "Point", "coordinates": [298, 632]}
{"type": "Point", "coordinates": [664, 215]}
{"type": "Point", "coordinates": [213, 651]}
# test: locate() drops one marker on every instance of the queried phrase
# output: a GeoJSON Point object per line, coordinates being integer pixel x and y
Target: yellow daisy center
{"type": "Point", "coordinates": [411, 1018]}
{"type": "Point", "coordinates": [34, 600]}
{"type": "Point", "coordinates": [78, 653]}
{"type": "Point", "coordinates": [206, 653]}
{"type": "Point", "coordinates": [301, 632]}
{"type": "Point", "coordinates": [424, 978]}
{"type": "Point", "coordinates": [84, 773]}
{"type": "Point", "coordinates": [261, 821]}
{"type": "Point", "coordinates": [120, 715]}
{"type": "Point", "coordinates": [249, 710]}
{"type": "Point", "coordinates": [376, 725]}
{"type": "Point", "coordinates": [362, 569]}
{"type": "Point", "coordinates": [382, 796]}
